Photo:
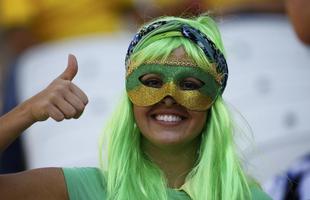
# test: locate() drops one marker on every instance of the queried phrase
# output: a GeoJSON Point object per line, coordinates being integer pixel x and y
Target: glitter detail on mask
{"type": "Point", "coordinates": [191, 99]}
{"type": "Point", "coordinates": [174, 74]}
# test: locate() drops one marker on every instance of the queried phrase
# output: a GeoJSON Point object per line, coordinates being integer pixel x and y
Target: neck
{"type": "Point", "coordinates": [175, 162]}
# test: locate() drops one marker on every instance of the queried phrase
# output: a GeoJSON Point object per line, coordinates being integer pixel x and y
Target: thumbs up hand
{"type": "Point", "coordinates": [62, 99]}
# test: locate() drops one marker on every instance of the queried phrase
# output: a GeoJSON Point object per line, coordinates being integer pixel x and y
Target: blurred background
{"type": "Point", "coordinates": [267, 46]}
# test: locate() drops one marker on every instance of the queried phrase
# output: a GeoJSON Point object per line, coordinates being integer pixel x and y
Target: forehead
{"type": "Point", "coordinates": [179, 52]}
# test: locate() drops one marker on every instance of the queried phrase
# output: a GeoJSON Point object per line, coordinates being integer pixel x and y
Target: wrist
{"type": "Point", "coordinates": [25, 113]}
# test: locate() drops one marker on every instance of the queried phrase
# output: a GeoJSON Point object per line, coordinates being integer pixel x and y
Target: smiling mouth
{"type": "Point", "coordinates": [168, 118]}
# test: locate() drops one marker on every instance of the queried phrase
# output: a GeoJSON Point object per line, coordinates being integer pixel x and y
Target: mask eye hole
{"type": "Point", "coordinates": [191, 83]}
{"type": "Point", "coordinates": [151, 80]}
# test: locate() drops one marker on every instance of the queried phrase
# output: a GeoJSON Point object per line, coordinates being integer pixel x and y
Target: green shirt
{"type": "Point", "coordinates": [87, 184]}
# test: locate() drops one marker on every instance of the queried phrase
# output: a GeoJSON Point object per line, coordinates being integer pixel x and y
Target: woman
{"type": "Point", "coordinates": [171, 136]}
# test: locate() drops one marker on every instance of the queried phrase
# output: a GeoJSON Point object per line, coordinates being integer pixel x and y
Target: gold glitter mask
{"type": "Point", "coordinates": [171, 80]}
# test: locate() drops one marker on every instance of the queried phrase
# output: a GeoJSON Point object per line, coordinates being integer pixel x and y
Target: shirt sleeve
{"type": "Point", "coordinates": [85, 183]}
{"type": "Point", "coordinates": [259, 194]}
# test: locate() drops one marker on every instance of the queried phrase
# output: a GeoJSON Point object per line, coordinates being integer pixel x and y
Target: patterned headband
{"type": "Point", "coordinates": [213, 54]}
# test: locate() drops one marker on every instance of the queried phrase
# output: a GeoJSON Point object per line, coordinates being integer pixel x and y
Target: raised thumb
{"type": "Point", "coordinates": [71, 70]}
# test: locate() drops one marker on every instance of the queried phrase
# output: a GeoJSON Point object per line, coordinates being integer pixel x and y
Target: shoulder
{"type": "Point", "coordinates": [85, 183]}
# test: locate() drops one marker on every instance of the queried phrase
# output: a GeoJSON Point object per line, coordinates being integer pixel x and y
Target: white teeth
{"type": "Point", "coordinates": [168, 118]}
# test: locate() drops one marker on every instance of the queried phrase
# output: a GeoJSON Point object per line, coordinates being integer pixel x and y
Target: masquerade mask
{"type": "Point", "coordinates": [190, 85]}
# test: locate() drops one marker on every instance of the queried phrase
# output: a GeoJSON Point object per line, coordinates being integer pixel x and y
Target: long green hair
{"type": "Point", "coordinates": [218, 173]}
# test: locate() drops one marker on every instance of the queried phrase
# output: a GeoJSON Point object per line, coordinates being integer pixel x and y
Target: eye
{"type": "Point", "coordinates": [151, 80]}
{"type": "Point", "coordinates": [191, 83]}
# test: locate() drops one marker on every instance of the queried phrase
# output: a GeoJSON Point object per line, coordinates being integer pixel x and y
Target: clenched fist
{"type": "Point", "coordinates": [62, 99]}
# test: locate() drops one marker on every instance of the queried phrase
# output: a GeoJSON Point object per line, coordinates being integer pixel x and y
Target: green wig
{"type": "Point", "coordinates": [129, 174]}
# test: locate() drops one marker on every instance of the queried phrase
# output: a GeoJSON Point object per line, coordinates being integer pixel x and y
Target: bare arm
{"type": "Point", "coordinates": [37, 184]}
{"type": "Point", "coordinates": [61, 100]}
{"type": "Point", "coordinates": [14, 123]}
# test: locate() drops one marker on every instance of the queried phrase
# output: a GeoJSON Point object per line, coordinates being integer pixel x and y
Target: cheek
{"type": "Point", "coordinates": [199, 122]}
{"type": "Point", "coordinates": [140, 117]}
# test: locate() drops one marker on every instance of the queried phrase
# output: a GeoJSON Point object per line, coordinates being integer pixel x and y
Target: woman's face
{"type": "Point", "coordinates": [168, 124]}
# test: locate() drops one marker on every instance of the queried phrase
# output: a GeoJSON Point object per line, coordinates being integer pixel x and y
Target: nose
{"type": "Point", "coordinates": [169, 101]}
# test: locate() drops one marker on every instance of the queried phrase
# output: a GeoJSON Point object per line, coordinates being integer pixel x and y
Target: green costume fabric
{"type": "Point", "coordinates": [89, 183]}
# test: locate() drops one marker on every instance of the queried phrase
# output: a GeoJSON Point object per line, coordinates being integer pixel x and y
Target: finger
{"type": "Point", "coordinates": [76, 103]}
{"type": "Point", "coordinates": [55, 113]}
{"type": "Point", "coordinates": [78, 92]}
{"type": "Point", "coordinates": [66, 108]}
{"type": "Point", "coordinates": [71, 70]}
{"type": "Point", "coordinates": [78, 115]}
